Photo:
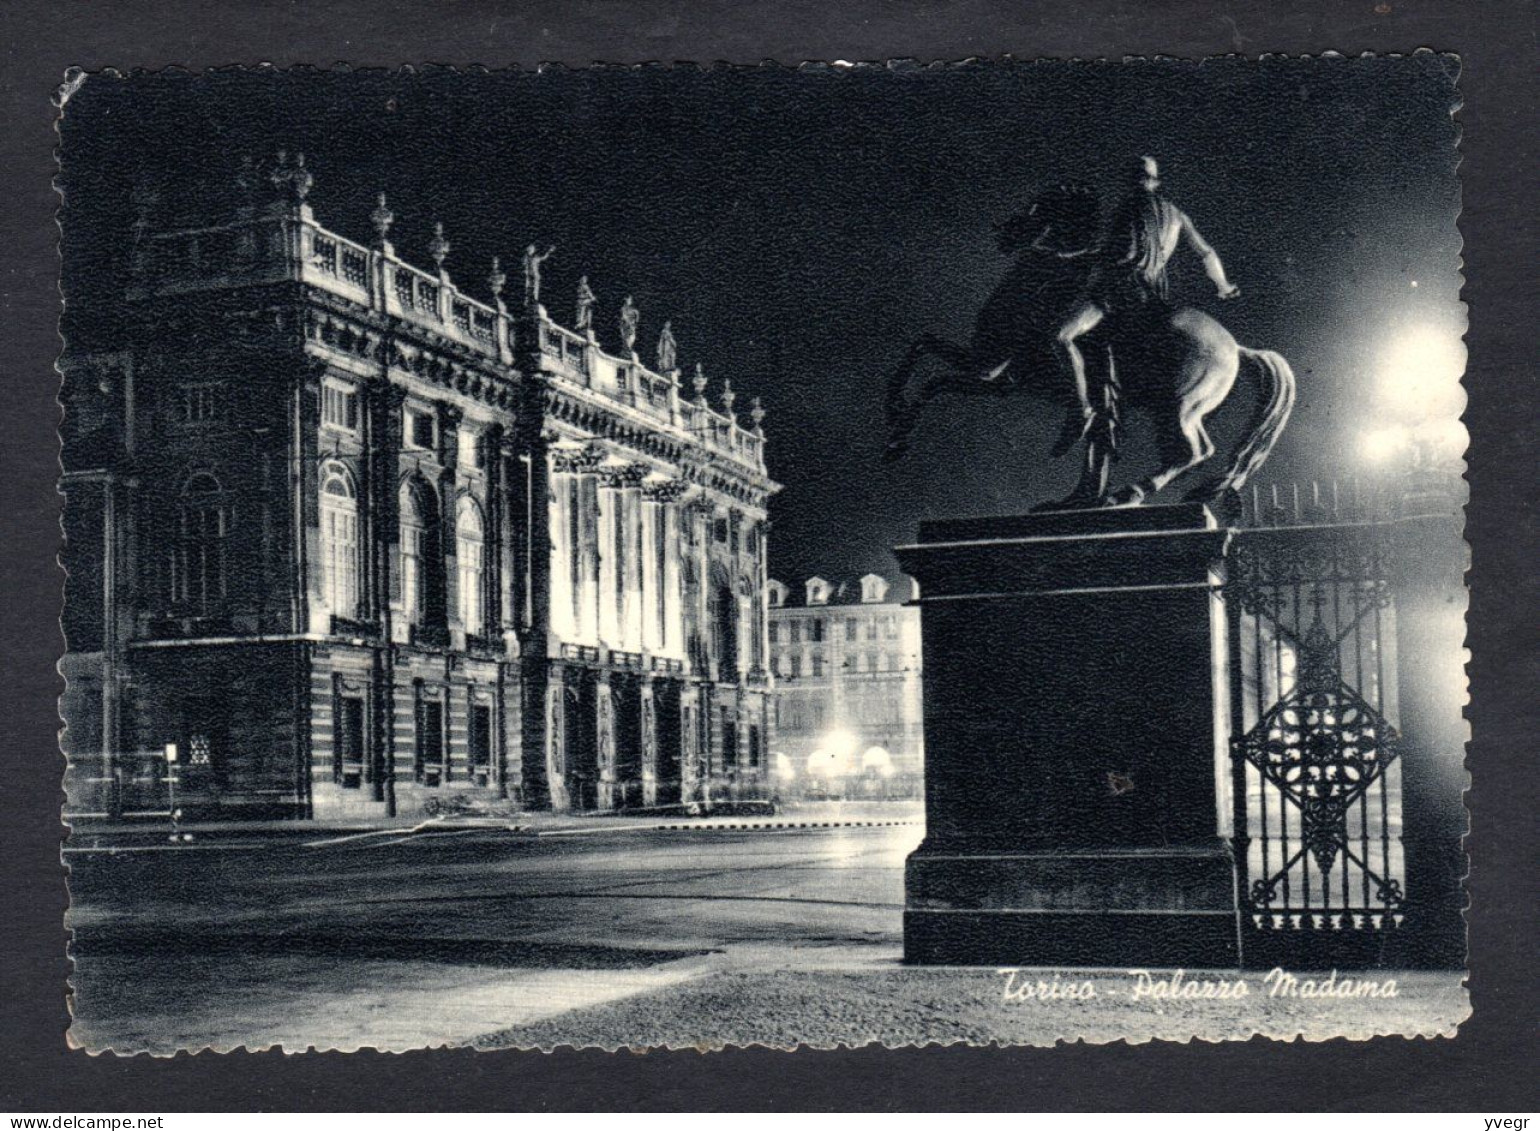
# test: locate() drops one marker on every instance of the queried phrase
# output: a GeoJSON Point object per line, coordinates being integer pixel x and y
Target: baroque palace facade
{"type": "Point", "coordinates": [342, 539]}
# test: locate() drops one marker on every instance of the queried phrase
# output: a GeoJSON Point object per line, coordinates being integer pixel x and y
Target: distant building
{"type": "Point", "coordinates": [846, 661]}
{"type": "Point", "coordinates": [344, 539]}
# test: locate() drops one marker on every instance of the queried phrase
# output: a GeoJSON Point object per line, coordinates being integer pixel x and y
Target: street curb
{"type": "Point", "coordinates": [737, 826]}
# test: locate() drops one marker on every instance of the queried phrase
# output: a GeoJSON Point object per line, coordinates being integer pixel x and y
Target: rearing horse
{"type": "Point", "coordinates": [1178, 364]}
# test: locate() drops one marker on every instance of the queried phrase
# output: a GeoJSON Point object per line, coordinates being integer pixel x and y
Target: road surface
{"type": "Point", "coordinates": [397, 941]}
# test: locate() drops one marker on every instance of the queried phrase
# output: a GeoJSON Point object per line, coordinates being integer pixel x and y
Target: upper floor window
{"type": "Point", "coordinates": [470, 560]}
{"type": "Point", "coordinates": [202, 403]}
{"type": "Point", "coordinates": [419, 530]}
{"type": "Point", "coordinates": [817, 591]}
{"type": "Point", "coordinates": [471, 450]}
{"type": "Point", "coordinates": [420, 430]}
{"type": "Point", "coordinates": [890, 627]}
{"type": "Point", "coordinates": [339, 541]}
{"type": "Point", "coordinates": [850, 628]}
{"type": "Point", "coordinates": [796, 632]}
{"type": "Point", "coordinates": [339, 407]}
{"type": "Point", "coordinates": [198, 559]}
{"type": "Point", "coordinates": [775, 632]}
{"type": "Point", "coordinates": [815, 630]}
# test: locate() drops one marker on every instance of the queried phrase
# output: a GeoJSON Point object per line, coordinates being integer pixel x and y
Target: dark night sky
{"type": "Point", "coordinates": [801, 228]}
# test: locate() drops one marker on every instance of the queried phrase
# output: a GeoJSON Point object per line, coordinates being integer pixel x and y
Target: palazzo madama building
{"type": "Point", "coordinates": [344, 540]}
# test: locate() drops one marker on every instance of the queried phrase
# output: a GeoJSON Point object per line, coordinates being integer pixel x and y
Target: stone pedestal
{"type": "Point", "coordinates": [1075, 717]}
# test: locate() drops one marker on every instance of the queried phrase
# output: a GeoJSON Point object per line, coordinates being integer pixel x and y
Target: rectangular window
{"type": "Point", "coordinates": [729, 740]}
{"type": "Point", "coordinates": [850, 628]}
{"type": "Point", "coordinates": [815, 630]}
{"type": "Point", "coordinates": [817, 665]}
{"type": "Point", "coordinates": [469, 449]}
{"type": "Point", "coordinates": [419, 431]}
{"type": "Point", "coordinates": [775, 632]}
{"type": "Point", "coordinates": [871, 630]}
{"type": "Point", "coordinates": [796, 632]}
{"type": "Point", "coordinates": [796, 668]}
{"type": "Point", "coordinates": [890, 627]}
{"type": "Point", "coordinates": [432, 769]}
{"type": "Point", "coordinates": [481, 743]}
{"type": "Point", "coordinates": [350, 741]}
{"type": "Point", "coordinates": [339, 407]}
{"type": "Point", "coordinates": [203, 403]}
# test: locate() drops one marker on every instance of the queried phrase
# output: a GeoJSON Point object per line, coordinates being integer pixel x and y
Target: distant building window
{"type": "Point", "coordinates": [815, 630]}
{"type": "Point", "coordinates": [339, 542]}
{"type": "Point", "coordinates": [871, 630]}
{"type": "Point", "coordinates": [796, 668]}
{"type": "Point", "coordinates": [873, 588]}
{"type": "Point", "coordinates": [470, 560]}
{"type": "Point", "coordinates": [777, 594]}
{"type": "Point", "coordinates": [850, 628]}
{"type": "Point", "coordinates": [817, 665]}
{"type": "Point", "coordinates": [817, 591]}
{"type": "Point", "coordinates": [719, 530]}
{"type": "Point", "coordinates": [339, 407]}
{"type": "Point", "coordinates": [775, 628]}
{"type": "Point", "coordinates": [796, 632]}
{"type": "Point", "coordinates": [890, 627]}
{"type": "Point", "coordinates": [203, 403]}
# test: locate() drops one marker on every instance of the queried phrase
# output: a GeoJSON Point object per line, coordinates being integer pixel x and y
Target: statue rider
{"type": "Point", "coordinates": [1129, 277]}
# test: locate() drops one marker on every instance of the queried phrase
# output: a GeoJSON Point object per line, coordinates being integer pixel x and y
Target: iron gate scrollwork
{"type": "Point", "coordinates": [1314, 746]}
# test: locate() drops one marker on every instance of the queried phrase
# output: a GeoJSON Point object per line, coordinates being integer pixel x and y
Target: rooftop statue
{"type": "Point", "coordinates": [1077, 286]}
{"type": "Point", "coordinates": [585, 306]}
{"type": "Point", "coordinates": [532, 262]}
{"type": "Point", "coordinates": [630, 319]}
{"type": "Point", "coordinates": [668, 353]}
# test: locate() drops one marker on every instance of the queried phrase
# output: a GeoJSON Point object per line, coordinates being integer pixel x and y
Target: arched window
{"type": "Point", "coordinates": [198, 560]}
{"type": "Point", "coordinates": [418, 530]}
{"type": "Point", "coordinates": [339, 541]}
{"type": "Point", "coordinates": [470, 557]}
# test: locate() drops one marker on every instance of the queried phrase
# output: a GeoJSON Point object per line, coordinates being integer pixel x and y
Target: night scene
{"type": "Point", "coordinates": [703, 556]}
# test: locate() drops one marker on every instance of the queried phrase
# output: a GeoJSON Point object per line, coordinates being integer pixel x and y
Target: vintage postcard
{"type": "Point", "coordinates": [705, 556]}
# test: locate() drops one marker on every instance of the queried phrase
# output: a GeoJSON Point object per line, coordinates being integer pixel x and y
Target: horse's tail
{"type": "Point", "coordinates": [1271, 414]}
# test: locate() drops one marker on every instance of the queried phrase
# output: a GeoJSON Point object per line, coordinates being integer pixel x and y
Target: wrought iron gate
{"type": "Point", "coordinates": [1314, 745]}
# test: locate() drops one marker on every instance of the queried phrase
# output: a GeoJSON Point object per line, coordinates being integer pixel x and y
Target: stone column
{"type": "Point", "coordinates": [1074, 692]}
{"type": "Point", "coordinates": [380, 511]}
{"type": "Point", "coordinates": [449, 417]}
{"type": "Point", "coordinates": [604, 740]}
{"type": "Point", "coordinates": [649, 744]}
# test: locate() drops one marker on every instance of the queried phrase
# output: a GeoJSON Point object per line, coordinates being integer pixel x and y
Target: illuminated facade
{"type": "Point", "coordinates": [346, 540]}
{"type": "Point", "coordinates": [846, 660]}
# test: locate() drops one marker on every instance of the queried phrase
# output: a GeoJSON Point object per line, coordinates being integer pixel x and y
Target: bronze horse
{"type": "Point", "coordinates": [1176, 363]}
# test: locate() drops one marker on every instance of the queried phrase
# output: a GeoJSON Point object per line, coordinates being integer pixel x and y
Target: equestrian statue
{"type": "Point", "coordinates": [1084, 319]}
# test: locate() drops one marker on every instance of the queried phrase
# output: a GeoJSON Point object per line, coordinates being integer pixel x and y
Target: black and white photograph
{"type": "Point", "coordinates": [792, 555]}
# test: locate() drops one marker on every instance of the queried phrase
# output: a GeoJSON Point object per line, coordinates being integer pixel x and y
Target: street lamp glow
{"type": "Point", "coordinates": [1381, 445]}
{"type": "Point", "coordinates": [1421, 377]}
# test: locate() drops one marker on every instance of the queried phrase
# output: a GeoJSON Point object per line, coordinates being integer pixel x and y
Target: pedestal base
{"type": "Point", "coordinates": [1115, 907]}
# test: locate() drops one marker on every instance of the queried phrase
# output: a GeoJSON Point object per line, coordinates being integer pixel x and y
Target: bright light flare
{"type": "Point", "coordinates": [1421, 374]}
{"type": "Point", "coordinates": [1382, 445]}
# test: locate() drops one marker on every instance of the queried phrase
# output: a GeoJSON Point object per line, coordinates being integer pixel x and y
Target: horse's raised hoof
{"type": "Point", "coordinates": [1130, 496]}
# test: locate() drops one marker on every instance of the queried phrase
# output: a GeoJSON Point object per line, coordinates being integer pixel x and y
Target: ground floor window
{"type": "Point", "coordinates": [349, 760]}
{"type": "Point", "coordinates": [481, 742]}
{"type": "Point", "coordinates": [432, 765]}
